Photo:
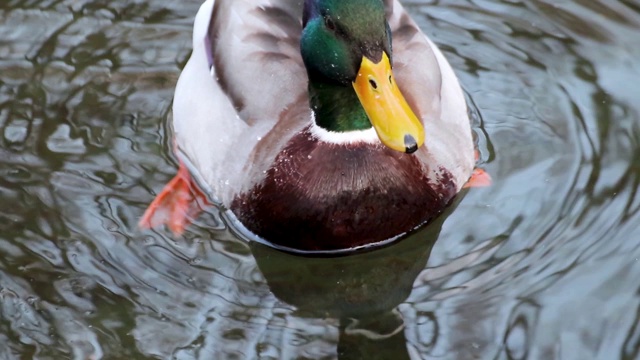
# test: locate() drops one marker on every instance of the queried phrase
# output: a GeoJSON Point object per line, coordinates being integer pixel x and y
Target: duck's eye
{"type": "Point", "coordinates": [329, 24]}
{"type": "Point", "coordinates": [373, 84]}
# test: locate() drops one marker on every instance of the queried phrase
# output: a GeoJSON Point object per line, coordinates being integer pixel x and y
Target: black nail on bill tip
{"type": "Point", "coordinates": [410, 144]}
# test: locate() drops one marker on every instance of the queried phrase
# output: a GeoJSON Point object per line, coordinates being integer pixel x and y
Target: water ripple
{"type": "Point", "coordinates": [542, 265]}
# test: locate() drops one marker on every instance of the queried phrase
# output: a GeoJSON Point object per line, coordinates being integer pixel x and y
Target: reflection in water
{"type": "Point", "coordinates": [542, 265]}
{"type": "Point", "coordinates": [360, 292]}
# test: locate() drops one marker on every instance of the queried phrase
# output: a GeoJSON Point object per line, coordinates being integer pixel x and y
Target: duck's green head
{"type": "Point", "coordinates": [346, 48]}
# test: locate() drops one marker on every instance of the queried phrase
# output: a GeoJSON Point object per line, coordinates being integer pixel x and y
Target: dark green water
{"type": "Point", "coordinates": [542, 265]}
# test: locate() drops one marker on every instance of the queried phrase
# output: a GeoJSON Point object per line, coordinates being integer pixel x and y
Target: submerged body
{"type": "Point", "coordinates": [256, 119]}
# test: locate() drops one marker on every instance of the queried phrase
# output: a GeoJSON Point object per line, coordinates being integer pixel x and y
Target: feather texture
{"type": "Point", "coordinates": [243, 98]}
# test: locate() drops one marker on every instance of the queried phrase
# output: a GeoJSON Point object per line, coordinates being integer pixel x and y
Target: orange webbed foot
{"type": "Point", "coordinates": [178, 203]}
{"type": "Point", "coordinates": [479, 178]}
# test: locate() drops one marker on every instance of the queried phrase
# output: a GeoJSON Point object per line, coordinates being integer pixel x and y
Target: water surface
{"type": "Point", "coordinates": [542, 265]}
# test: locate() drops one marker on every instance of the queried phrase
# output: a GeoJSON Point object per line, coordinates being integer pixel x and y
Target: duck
{"type": "Point", "coordinates": [317, 125]}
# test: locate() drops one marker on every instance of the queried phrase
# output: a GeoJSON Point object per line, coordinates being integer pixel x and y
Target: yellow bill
{"type": "Point", "coordinates": [395, 123]}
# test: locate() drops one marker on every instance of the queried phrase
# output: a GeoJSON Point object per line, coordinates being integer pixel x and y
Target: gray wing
{"type": "Point", "coordinates": [431, 88]}
{"type": "Point", "coordinates": [254, 49]}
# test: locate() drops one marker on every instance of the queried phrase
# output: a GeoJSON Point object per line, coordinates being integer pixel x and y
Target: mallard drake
{"type": "Point", "coordinates": [312, 127]}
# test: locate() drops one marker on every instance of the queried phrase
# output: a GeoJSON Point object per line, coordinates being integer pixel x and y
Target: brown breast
{"type": "Point", "coordinates": [322, 196]}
